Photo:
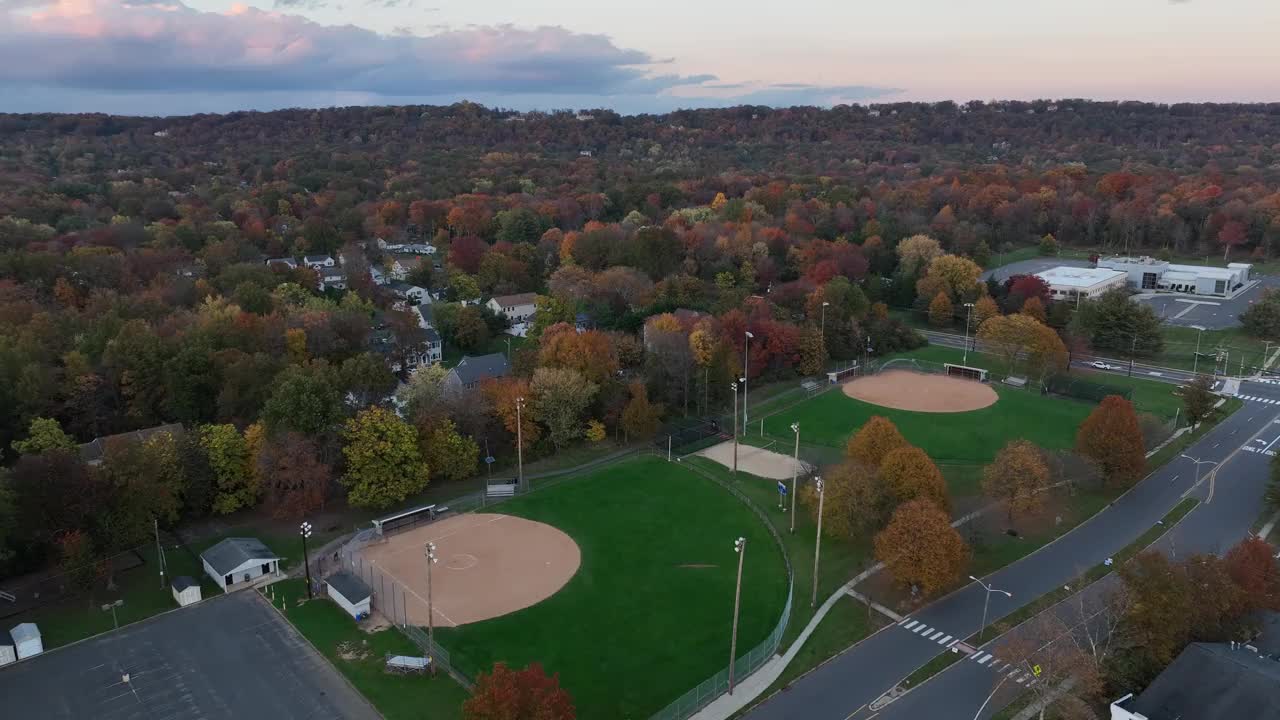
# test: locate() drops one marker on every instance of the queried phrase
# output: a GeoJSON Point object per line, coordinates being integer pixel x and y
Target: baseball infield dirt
{"type": "Point", "coordinates": [921, 392]}
{"type": "Point", "coordinates": [757, 461]}
{"type": "Point", "coordinates": [488, 565]}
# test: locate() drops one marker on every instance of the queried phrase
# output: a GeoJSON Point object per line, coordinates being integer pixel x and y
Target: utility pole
{"type": "Point", "coordinates": [431, 612]}
{"type": "Point", "coordinates": [795, 470]}
{"type": "Point", "coordinates": [817, 544]}
{"type": "Point", "coordinates": [822, 330]}
{"type": "Point", "coordinates": [305, 531]}
{"type": "Point", "coordinates": [1133, 352]}
{"type": "Point", "coordinates": [739, 547]}
{"type": "Point", "coordinates": [1195, 362]}
{"type": "Point", "coordinates": [746, 358]}
{"type": "Point", "coordinates": [968, 315]}
{"type": "Point", "coordinates": [519, 444]}
{"type": "Point", "coordinates": [155, 525]}
{"type": "Point", "coordinates": [734, 387]}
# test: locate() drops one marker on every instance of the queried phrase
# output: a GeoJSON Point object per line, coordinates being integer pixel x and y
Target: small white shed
{"type": "Point", "coordinates": [26, 640]}
{"type": "Point", "coordinates": [7, 653]}
{"type": "Point", "coordinates": [351, 594]}
{"type": "Point", "coordinates": [186, 590]}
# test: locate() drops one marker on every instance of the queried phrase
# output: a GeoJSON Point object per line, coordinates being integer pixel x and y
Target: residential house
{"type": "Point", "coordinates": [418, 249]}
{"type": "Point", "coordinates": [400, 265]}
{"type": "Point", "coordinates": [319, 262]}
{"type": "Point", "coordinates": [95, 450]}
{"type": "Point", "coordinates": [283, 262]}
{"type": "Point", "coordinates": [435, 347]}
{"type": "Point", "coordinates": [429, 352]}
{"type": "Point", "coordinates": [378, 277]}
{"type": "Point", "coordinates": [410, 293]}
{"type": "Point", "coordinates": [237, 563]}
{"type": "Point", "coordinates": [1208, 681]}
{"type": "Point", "coordinates": [471, 371]}
{"type": "Point", "coordinates": [426, 315]}
{"type": "Point", "coordinates": [519, 308]}
{"type": "Point", "coordinates": [332, 278]}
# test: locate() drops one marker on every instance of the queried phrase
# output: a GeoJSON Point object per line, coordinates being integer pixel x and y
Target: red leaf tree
{"type": "Point", "coordinates": [528, 694]}
{"type": "Point", "coordinates": [1112, 439]}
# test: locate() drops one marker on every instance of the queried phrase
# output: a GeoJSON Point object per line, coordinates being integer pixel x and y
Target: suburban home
{"type": "Point", "coordinates": [412, 294]}
{"type": "Point", "coordinates": [237, 563]}
{"type": "Point", "coordinates": [429, 352]}
{"type": "Point", "coordinates": [516, 308]}
{"type": "Point", "coordinates": [471, 371]}
{"type": "Point", "coordinates": [1208, 681]}
{"type": "Point", "coordinates": [419, 249]}
{"type": "Point", "coordinates": [435, 347]}
{"type": "Point", "coordinates": [378, 277]}
{"type": "Point", "coordinates": [426, 315]}
{"type": "Point", "coordinates": [319, 262]}
{"type": "Point", "coordinates": [350, 593]}
{"type": "Point", "coordinates": [282, 262]}
{"type": "Point", "coordinates": [334, 278]}
{"type": "Point", "coordinates": [186, 591]}
{"type": "Point", "coordinates": [95, 450]}
{"type": "Point", "coordinates": [401, 265]}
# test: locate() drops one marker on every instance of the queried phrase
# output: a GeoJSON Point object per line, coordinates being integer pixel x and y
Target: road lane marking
{"type": "Point", "coordinates": [911, 625]}
{"type": "Point", "coordinates": [944, 640]}
{"type": "Point", "coordinates": [983, 660]}
{"type": "Point", "coordinates": [936, 635]}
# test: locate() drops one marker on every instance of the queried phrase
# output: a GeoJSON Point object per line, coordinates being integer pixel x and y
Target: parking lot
{"type": "Point", "coordinates": [1211, 313]}
{"type": "Point", "coordinates": [230, 656]}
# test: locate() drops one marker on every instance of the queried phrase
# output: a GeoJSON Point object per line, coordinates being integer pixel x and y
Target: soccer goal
{"type": "Point", "coordinates": [966, 372]}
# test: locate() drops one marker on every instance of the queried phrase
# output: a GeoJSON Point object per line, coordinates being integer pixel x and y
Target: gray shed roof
{"type": "Point", "coordinates": [349, 586]}
{"type": "Point", "coordinates": [1211, 681]}
{"type": "Point", "coordinates": [24, 632]}
{"type": "Point", "coordinates": [482, 367]}
{"type": "Point", "coordinates": [234, 552]}
{"type": "Point", "coordinates": [182, 582]}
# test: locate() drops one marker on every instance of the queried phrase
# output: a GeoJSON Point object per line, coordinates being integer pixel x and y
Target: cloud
{"type": "Point", "coordinates": [164, 57]}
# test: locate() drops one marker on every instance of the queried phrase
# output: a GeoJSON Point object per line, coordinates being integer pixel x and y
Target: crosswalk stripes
{"type": "Point", "coordinates": [985, 659]}
{"type": "Point", "coordinates": [1255, 398]}
{"type": "Point", "coordinates": [929, 633]}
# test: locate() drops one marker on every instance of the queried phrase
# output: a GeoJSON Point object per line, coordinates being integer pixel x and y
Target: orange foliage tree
{"type": "Point", "coordinates": [1112, 439]}
{"type": "Point", "coordinates": [502, 394]}
{"type": "Point", "coordinates": [920, 547]}
{"type": "Point", "coordinates": [1018, 477]}
{"type": "Point", "coordinates": [873, 441]}
{"type": "Point", "coordinates": [590, 352]}
{"type": "Point", "coordinates": [909, 474]}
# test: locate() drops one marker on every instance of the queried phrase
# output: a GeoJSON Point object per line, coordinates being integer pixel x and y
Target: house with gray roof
{"type": "Point", "coordinates": [237, 563]}
{"type": "Point", "coordinates": [471, 371]}
{"type": "Point", "coordinates": [350, 593]}
{"type": "Point", "coordinates": [95, 450]}
{"type": "Point", "coordinates": [1208, 681]}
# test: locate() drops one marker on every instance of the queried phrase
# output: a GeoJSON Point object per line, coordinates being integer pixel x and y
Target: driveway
{"type": "Point", "coordinates": [230, 656]}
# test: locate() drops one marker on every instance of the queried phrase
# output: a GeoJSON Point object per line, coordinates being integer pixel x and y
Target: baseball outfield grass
{"type": "Point", "coordinates": [648, 614]}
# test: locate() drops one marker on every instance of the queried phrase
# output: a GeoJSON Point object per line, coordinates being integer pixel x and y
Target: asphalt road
{"type": "Point", "coordinates": [846, 686]}
{"type": "Point", "coordinates": [228, 657]}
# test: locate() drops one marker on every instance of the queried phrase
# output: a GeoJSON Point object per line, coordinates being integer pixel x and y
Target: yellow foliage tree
{"type": "Point", "coordinates": [983, 310]}
{"type": "Point", "coordinates": [961, 274]}
{"type": "Point", "coordinates": [916, 252]}
{"type": "Point", "coordinates": [1018, 477]}
{"type": "Point", "coordinates": [909, 474]}
{"type": "Point", "coordinates": [941, 312]}
{"type": "Point", "coordinates": [856, 502]}
{"type": "Point", "coordinates": [920, 547]}
{"type": "Point", "coordinates": [1035, 308]}
{"type": "Point", "coordinates": [877, 438]}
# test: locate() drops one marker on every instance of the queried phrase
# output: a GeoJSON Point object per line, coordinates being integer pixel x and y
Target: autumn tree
{"type": "Point", "coordinates": [1251, 563]}
{"type": "Point", "coordinates": [384, 465]}
{"type": "Point", "coordinates": [1022, 342]}
{"type": "Point", "coordinates": [529, 694]}
{"type": "Point", "coordinates": [960, 274]}
{"type": "Point", "coordinates": [916, 252]}
{"type": "Point", "coordinates": [909, 474]}
{"type": "Point", "coordinates": [856, 502]}
{"type": "Point", "coordinates": [813, 351]}
{"type": "Point", "coordinates": [920, 548]}
{"type": "Point", "coordinates": [1112, 439]}
{"type": "Point", "coordinates": [294, 481]}
{"type": "Point", "coordinates": [449, 454]}
{"type": "Point", "coordinates": [590, 353]}
{"type": "Point", "coordinates": [1018, 477]}
{"type": "Point", "coordinates": [147, 480]}
{"type": "Point", "coordinates": [1067, 662]}
{"type": "Point", "coordinates": [503, 395]}
{"type": "Point", "coordinates": [1198, 399]}
{"type": "Point", "coordinates": [640, 417]}
{"type": "Point", "coordinates": [704, 343]}
{"type": "Point", "coordinates": [873, 441]}
{"type": "Point", "coordinates": [1033, 307]}
{"type": "Point", "coordinates": [983, 310]}
{"type": "Point", "coordinates": [306, 399]}
{"type": "Point", "coordinates": [78, 560]}
{"type": "Point", "coordinates": [43, 435]}
{"type": "Point", "coordinates": [230, 460]}
{"type": "Point", "coordinates": [940, 311]}
{"type": "Point", "coordinates": [560, 397]}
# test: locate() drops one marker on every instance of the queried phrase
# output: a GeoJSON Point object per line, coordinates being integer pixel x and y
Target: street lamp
{"type": "Point", "coordinates": [112, 607]}
{"type": "Point", "coordinates": [795, 470]}
{"type": "Point", "coordinates": [746, 357]}
{"type": "Point", "coordinates": [817, 544]}
{"type": "Point", "coordinates": [1195, 362]}
{"type": "Point", "coordinates": [740, 547]}
{"type": "Point", "coordinates": [734, 387]}
{"type": "Point", "coordinates": [866, 357]}
{"type": "Point", "coordinates": [519, 444]}
{"type": "Point", "coordinates": [987, 601]}
{"type": "Point", "coordinates": [305, 531]}
{"type": "Point", "coordinates": [967, 316]}
{"type": "Point", "coordinates": [822, 332]}
{"type": "Point", "coordinates": [431, 613]}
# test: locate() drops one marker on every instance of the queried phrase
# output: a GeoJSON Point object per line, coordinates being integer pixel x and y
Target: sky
{"type": "Point", "coordinates": [173, 57]}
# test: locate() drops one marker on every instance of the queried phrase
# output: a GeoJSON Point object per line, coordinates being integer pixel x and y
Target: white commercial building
{"type": "Point", "coordinates": [1150, 275]}
{"type": "Point", "coordinates": [1073, 283]}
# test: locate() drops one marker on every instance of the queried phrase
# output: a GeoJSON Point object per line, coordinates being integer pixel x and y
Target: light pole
{"type": "Point", "coordinates": [740, 547]}
{"type": "Point", "coordinates": [822, 330]}
{"type": "Point", "coordinates": [795, 470]}
{"type": "Point", "coordinates": [431, 612]}
{"type": "Point", "coordinates": [1195, 362]}
{"type": "Point", "coordinates": [968, 314]}
{"type": "Point", "coordinates": [112, 607]}
{"type": "Point", "coordinates": [305, 531]}
{"type": "Point", "coordinates": [519, 444]}
{"type": "Point", "coordinates": [1133, 353]}
{"type": "Point", "coordinates": [1198, 464]}
{"type": "Point", "coordinates": [817, 543]}
{"type": "Point", "coordinates": [734, 387]}
{"type": "Point", "coordinates": [746, 358]}
{"type": "Point", "coordinates": [985, 602]}
{"type": "Point", "coordinates": [866, 357]}
{"type": "Point", "coordinates": [508, 349]}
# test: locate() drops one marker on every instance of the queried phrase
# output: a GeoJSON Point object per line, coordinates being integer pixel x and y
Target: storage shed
{"type": "Point", "coordinates": [186, 590]}
{"type": "Point", "coordinates": [26, 640]}
{"type": "Point", "coordinates": [7, 653]}
{"type": "Point", "coordinates": [237, 563]}
{"type": "Point", "coordinates": [351, 594]}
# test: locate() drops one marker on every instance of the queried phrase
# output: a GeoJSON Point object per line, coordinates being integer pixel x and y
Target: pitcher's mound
{"type": "Point", "coordinates": [904, 390]}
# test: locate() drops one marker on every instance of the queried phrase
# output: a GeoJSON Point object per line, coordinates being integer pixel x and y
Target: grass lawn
{"type": "Point", "coordinates": [975, 436]}
{"type": "Point", "coordinates": [360, 656]}
{"type": "Point", "coordinates": [1180, 348]}
{"type": "Point", "coordinates": [647, 615]}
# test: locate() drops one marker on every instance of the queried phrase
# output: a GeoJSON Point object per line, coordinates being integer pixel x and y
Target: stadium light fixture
{"type": "Point", "coordinates": [795, 470]}
{"type": "Point", "coordinates": [305, 531]}
{"type": "Point", "coordinates": [739, 547]}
